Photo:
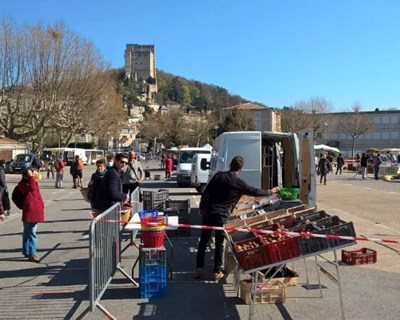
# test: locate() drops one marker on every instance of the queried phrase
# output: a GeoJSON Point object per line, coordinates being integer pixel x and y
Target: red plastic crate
{"type": "Point", "coordinates": [250, 258]}
{"type": "Point", "coordinates": [282, 250]}
{"type": "Point", "coordinates": [361, 256]}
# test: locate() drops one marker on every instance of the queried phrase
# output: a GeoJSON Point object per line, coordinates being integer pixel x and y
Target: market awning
{"type": "Point", "coordinates": [324, 147]}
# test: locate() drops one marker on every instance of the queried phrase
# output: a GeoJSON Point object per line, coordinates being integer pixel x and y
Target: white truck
{"type": "Point", "coordinates": [270, 159]}
{"type": "Point", "coordinates": [184, 166]}
{"type": "Point", "coordinates": [199, 176]}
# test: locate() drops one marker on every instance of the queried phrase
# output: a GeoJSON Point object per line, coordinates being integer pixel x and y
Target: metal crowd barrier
{"type": "Point", "coordinates": [105, 252]}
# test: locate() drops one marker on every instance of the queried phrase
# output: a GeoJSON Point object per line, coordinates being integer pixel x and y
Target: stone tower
{"type": "Point", "coordinates": [140, 66]}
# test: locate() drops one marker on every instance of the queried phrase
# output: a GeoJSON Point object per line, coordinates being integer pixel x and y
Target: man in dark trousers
{"type": "Point", "coordinates": [339, 163]}
{"type": "Point", "coordinates": [218, 200]}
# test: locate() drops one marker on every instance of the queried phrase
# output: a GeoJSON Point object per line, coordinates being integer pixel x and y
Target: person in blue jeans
{"type": "Point", "coordinates": [32, 212]}
{"type": "Point", "coordinates": [218, 199]}
{"type": "Point", "coordinates": [377, 163]}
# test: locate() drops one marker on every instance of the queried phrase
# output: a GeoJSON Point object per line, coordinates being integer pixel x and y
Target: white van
{"type": "Point", "coordinates": [270, 159]}
{"type": "Point", "coordinates": [199, 176]}
{"type": "Point", "coordinates": [67, 154]}
{"type": "Point", "coordinates": [184, 166]}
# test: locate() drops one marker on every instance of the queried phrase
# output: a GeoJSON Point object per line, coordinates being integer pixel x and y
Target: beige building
{"type": "Point", "coordinates": [140, 66]}
{"type": "Point", "coordinates": [265, 119]}
{"type": "Point", "coordinates": [385, 131]}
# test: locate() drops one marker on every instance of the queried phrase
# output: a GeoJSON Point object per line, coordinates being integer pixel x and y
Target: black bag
{"type": "Point", "coordinates": [6, 200]}
{"type": "Point", "coordinates": [18, 197]}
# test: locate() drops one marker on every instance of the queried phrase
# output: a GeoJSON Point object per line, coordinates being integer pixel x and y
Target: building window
{"type": "Point", "coordinates": [385, 135]}
{"type": "Point", "coordinates": [376, 119]}
{"type": "Point", "coordinates": [394, 135]}
{"type": "Point", "coordinates": [385, 119]}
{"type": "Point", "coordinates": [376, 136]}
{"type": "Point", "coordinates": [394, 119]}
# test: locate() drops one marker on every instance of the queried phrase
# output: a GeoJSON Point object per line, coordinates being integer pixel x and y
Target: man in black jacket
{"type": "Point", "coordinates": [218, 200]}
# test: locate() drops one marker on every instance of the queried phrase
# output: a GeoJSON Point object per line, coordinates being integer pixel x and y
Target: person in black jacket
{"type": "Point", "coordinates": [110, 191]}
{"type": "Point", "coordinates": [339, 163]}
{"type": "Point", "coordinates": [364, 165]}
{"type": "Point", "coordinates": [218, 200]}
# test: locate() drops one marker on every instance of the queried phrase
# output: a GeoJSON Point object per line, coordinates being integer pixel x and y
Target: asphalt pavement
{"type": "Point", "coordinates": [57, 287]}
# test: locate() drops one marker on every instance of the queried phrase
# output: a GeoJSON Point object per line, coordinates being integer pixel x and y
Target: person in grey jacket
{"type": "Point", "coordinates": [133, 175]}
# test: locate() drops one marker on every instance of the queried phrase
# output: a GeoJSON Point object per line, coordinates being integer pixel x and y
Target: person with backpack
{"type": "Point", "coordinates": [32, 212]}
{"type": "Point", "coordinates": [76, 172]}
{"type": "Point", "coordinates": [59, 167]}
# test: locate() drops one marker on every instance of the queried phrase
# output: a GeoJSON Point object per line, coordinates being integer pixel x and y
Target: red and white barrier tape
{"type": "Point", "coordinates": [295, 234]}
{"type": "Point", "coordinates": [259, 231]}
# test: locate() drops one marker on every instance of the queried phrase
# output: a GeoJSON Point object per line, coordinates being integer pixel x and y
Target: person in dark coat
{"type": "Point", "coordinates": [324, 167]}
{"type": "Point", "coordinates": [339, 164]}
{"type": "Point", "coordinates": [110, 191]}
{"type": "Point", "coordinates": [32, 212]}
{"type": "Point", "coordinates": [218, 200]}
{"type": "Point", "coordinates": [5, 200]}
{"type": "Point", "coordinates": [95, 180]}
{"type": "Point", "coordinates": [364, 165]}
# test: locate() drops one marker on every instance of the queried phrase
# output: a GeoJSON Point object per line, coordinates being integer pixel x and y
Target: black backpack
{"type": "Point", "coordinates": [18, 197]}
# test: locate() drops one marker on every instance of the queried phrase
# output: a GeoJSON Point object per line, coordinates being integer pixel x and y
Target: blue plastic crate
{"type": "Point", "coordinates": [153, 289]}
{"type": "Point", "coordinates": [153, 273]}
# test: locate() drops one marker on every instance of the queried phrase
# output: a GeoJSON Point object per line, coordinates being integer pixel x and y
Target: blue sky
{"type": "Point", "coordinates": [274, 52]}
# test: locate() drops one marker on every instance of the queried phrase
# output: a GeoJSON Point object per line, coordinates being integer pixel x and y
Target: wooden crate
{"type": "Point", "coordinates": [273, 291]}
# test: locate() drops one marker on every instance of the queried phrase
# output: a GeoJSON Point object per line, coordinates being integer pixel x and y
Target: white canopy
{"type": "Point", "coordinates": [324, 147]}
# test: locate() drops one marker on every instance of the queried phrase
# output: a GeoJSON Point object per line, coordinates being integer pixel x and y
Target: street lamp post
{"type": "Point", "coordinates": [216, 131]}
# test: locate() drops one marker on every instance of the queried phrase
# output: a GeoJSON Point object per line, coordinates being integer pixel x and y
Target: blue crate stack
{"type": "Point", "coordinates": [153, 272]}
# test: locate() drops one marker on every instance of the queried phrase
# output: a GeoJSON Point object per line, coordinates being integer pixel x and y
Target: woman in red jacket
{"type": "Point", "coordinates": [169, 162]}
{"type": "Point", "coordinates": [32, 212]}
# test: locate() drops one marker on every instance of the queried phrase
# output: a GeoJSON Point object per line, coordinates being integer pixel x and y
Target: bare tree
{"type": "Point", "coordinates": [53, 83]}
{"type": "Point", "coordinates": [355, 124]}
{"type": "Point", "coordinates": [307, 114]}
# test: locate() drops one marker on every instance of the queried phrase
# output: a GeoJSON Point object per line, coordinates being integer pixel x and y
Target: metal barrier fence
{"type": "Point", "coordinates": [105, 252]}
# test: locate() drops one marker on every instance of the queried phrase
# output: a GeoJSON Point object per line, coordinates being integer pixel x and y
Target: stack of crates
{"type": "Point", "coordinates": [182, 209]}
{"type": "Point", "coordinates": [152, 272]}
{"type": "Point", "coordinates": [155, 200]}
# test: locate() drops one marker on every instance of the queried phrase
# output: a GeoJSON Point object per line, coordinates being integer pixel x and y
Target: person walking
{"type": "Point", "coordinates": [76, 172]}
{"type": "Point", "coordinates": [133, 175]}
{"type": "Point", "coordinates": [377, 163]}
{"type": "Point", "coordinates": [219, 198]}
{"type": "Point", "coordinates": [339, 164]}
{"type": "Point", "coordinates": [5, 199]}
{"type": "Point", "coordinates": [50, 167]}
{"type": "Point", "coordinates": [32, 212]}
{"type": "Point", "coordinates": [2, 215]}
{"type": "Point", "coordinates": [364, 164]}
{"type": "Point", "coordinates": [169, 163]}
{"type": "Point", "coordinates": [59, 167]}
{"type": "Point", "coordinates": [324, 167]}
{"type": "Point", "coordinates": [110, 191]}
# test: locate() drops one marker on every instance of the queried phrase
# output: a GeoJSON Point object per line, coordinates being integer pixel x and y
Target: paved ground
{"type": "Point", "coordinates": [57, 287]}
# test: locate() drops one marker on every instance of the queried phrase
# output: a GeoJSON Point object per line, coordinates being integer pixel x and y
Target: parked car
{"type": "Point", "coordinates": [21, 162]}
